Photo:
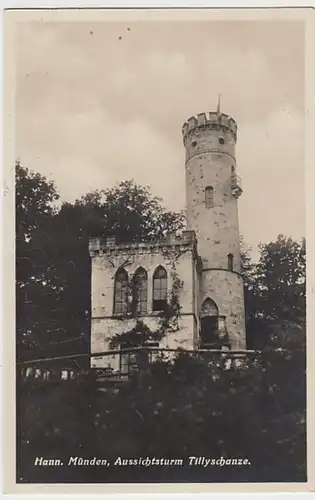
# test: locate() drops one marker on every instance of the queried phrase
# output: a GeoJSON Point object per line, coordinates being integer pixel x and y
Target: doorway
{"type": "Point", "coordinates": [209, 324]}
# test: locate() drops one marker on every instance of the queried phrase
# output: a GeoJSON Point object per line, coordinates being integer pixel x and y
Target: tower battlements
{"type": "Point", "coordinates": [210, 120]}
{"type": "Point", "coordinates": [100, 246]}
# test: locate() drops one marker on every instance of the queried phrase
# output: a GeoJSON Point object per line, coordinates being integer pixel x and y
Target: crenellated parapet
{"type": "Point", "coordinates": [101, 246]}
{"type": "Point", "coordinates": [211, 121]}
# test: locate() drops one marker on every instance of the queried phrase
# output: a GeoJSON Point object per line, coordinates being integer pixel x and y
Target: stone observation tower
{"type": "Point", "coordinates": [132, 284]}
{"type": "Point", "coordinates": [212, 191]}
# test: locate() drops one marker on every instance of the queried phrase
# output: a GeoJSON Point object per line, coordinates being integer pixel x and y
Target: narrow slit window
{"type": "Point", "coordinates": [121, 292]}
{"type": "Point", "coordinates": [209, 197]}
{"type": "Point", "coordinates": [230, 262]}
{"type": "Point", "coordinates": [159, 289]}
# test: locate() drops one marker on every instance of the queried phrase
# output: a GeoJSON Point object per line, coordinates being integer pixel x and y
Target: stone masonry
{"type": "Point", "coordinates": [205, 258]}
{"type": "Point", "coordinates": [173, 253]}
{"type": "Point", "coordinates": [210, 139]}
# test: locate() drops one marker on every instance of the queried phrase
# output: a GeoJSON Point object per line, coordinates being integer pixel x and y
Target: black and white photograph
{"type": "Point", "coordinates": [160, 248]}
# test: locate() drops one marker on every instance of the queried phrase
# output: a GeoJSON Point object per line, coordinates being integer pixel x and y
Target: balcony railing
{"type": "Point", "coordinates": [236, 184]}
{"type": "Point", "coordinates": [136, 359]}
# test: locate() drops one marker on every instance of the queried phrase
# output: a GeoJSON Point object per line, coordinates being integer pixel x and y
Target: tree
{"type": "Point", "coordinates": [282, 279]}
{"type": "Point", "coordinates": [35, 209]}
{"type": "Point", "coordinates": [35, 197]}
{"type": "Point", "coordinates": [129, 212]}
{"type": "Point", "coordinates": [274, 288]}
{"type": "Point", "coordinates": [182, 408]}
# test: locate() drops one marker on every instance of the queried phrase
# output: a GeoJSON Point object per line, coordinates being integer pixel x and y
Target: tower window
{"type": "Point", "coordinates": [209, 197]}
{"type": "Point", "coordinates": [194, 144]}
{"type": "Point", "coordinates": [121, 292]}
{"type": "Point", "coordinates": [221, 140]}
{"type": "Point", "coordinates": [209, 308]}
{"type": "Point", "coordinates": [230, 262]}
{"type": "Point", "coordinates": [209, 322]}
{"type": "Point", "coordinates": [140, 291]}
{"type": "Point", "coordinates": [159, 289]}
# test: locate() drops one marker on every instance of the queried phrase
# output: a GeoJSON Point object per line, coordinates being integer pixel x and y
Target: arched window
{"type": "Point", "coordinates": [159, 289]}
{"type": "Point", "coordinates": [209, 197]}
{"type": "Point", "coordinates": [140, 290]}
{"type": "Point", "coordinates": [209, 324]}
{"type": "Point", "coordinates": [230, 262]}
{"type": "Point", "coordinates": [209, 308]}
{"type": "Point", "coordinates": [121, 292]}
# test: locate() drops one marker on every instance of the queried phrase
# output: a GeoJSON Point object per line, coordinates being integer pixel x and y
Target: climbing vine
{"type": "Point", "coordinates": [169, 317]}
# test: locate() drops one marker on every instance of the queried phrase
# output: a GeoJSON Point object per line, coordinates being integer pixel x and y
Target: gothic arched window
{"type": "Point", "coordinates": [209, 323]}
{"type": "Point", "coordinates": [209, 197]}
{"type": "Point", "coordinates": [209, 308]}
{"type": "Point", "coordinates": [140, 292]}
{"type": "Point", "coordinates": [121, 292]}
{"type": "Point", "coordinates": [159, 289]}
{"type": "Point", "coordinates": [230, 262]}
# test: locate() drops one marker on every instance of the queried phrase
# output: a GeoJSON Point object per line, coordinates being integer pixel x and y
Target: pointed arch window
{"type": "Point", "coordinates": [159, 289]}
{"type": "Point", "coordinates": [209, 308]}
{"type": "Point", "coordinates": [140, 292]}
{"type": "Point", "coordinates": [230, 262]}
{"type": "Point", "coordinates": [209, 323]}
{"type": "Point", "coordinates": [209, 197]}
{"type": "Point", "coordinates": [121, 292]}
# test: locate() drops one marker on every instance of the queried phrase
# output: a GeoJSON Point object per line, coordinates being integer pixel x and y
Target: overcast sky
{"type": "Point", "coordinates": [93, 109]}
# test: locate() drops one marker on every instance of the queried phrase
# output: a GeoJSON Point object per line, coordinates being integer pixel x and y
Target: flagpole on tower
{"type": "Point", "coordinates": [219, 105]}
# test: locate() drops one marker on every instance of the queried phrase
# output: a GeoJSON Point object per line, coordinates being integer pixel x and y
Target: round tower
{"type": "Point", "coordinates": [212, 190]}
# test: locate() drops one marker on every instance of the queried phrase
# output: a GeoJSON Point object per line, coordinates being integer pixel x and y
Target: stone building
{"type": "Point", "coordinates": [199, 271]}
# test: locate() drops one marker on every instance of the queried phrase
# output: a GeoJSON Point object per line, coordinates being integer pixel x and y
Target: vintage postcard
{"type": "Point", "coordinates": [158, 167]}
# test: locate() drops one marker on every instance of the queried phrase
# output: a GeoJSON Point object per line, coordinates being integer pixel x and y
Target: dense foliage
{"type": "Point", "coordinates": [190, 407]}
{"type": "Point", "coordinates": [274, 288]}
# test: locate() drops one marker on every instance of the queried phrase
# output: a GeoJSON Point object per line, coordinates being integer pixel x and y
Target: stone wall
{"type": "Point", "coordinates": [227, 291]}
{"type": "Point", "coordinates": [210, 163]}
{"type": "Point", "coordinates": [103, 329]}
{"type": "Point", "coordinates": [177, 256]}
{"type": "Point", "coordinates": [217, 227]}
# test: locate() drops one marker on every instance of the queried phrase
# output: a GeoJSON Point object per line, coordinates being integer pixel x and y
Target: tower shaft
{"type": "Point", "coordinates": [212, 191]}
